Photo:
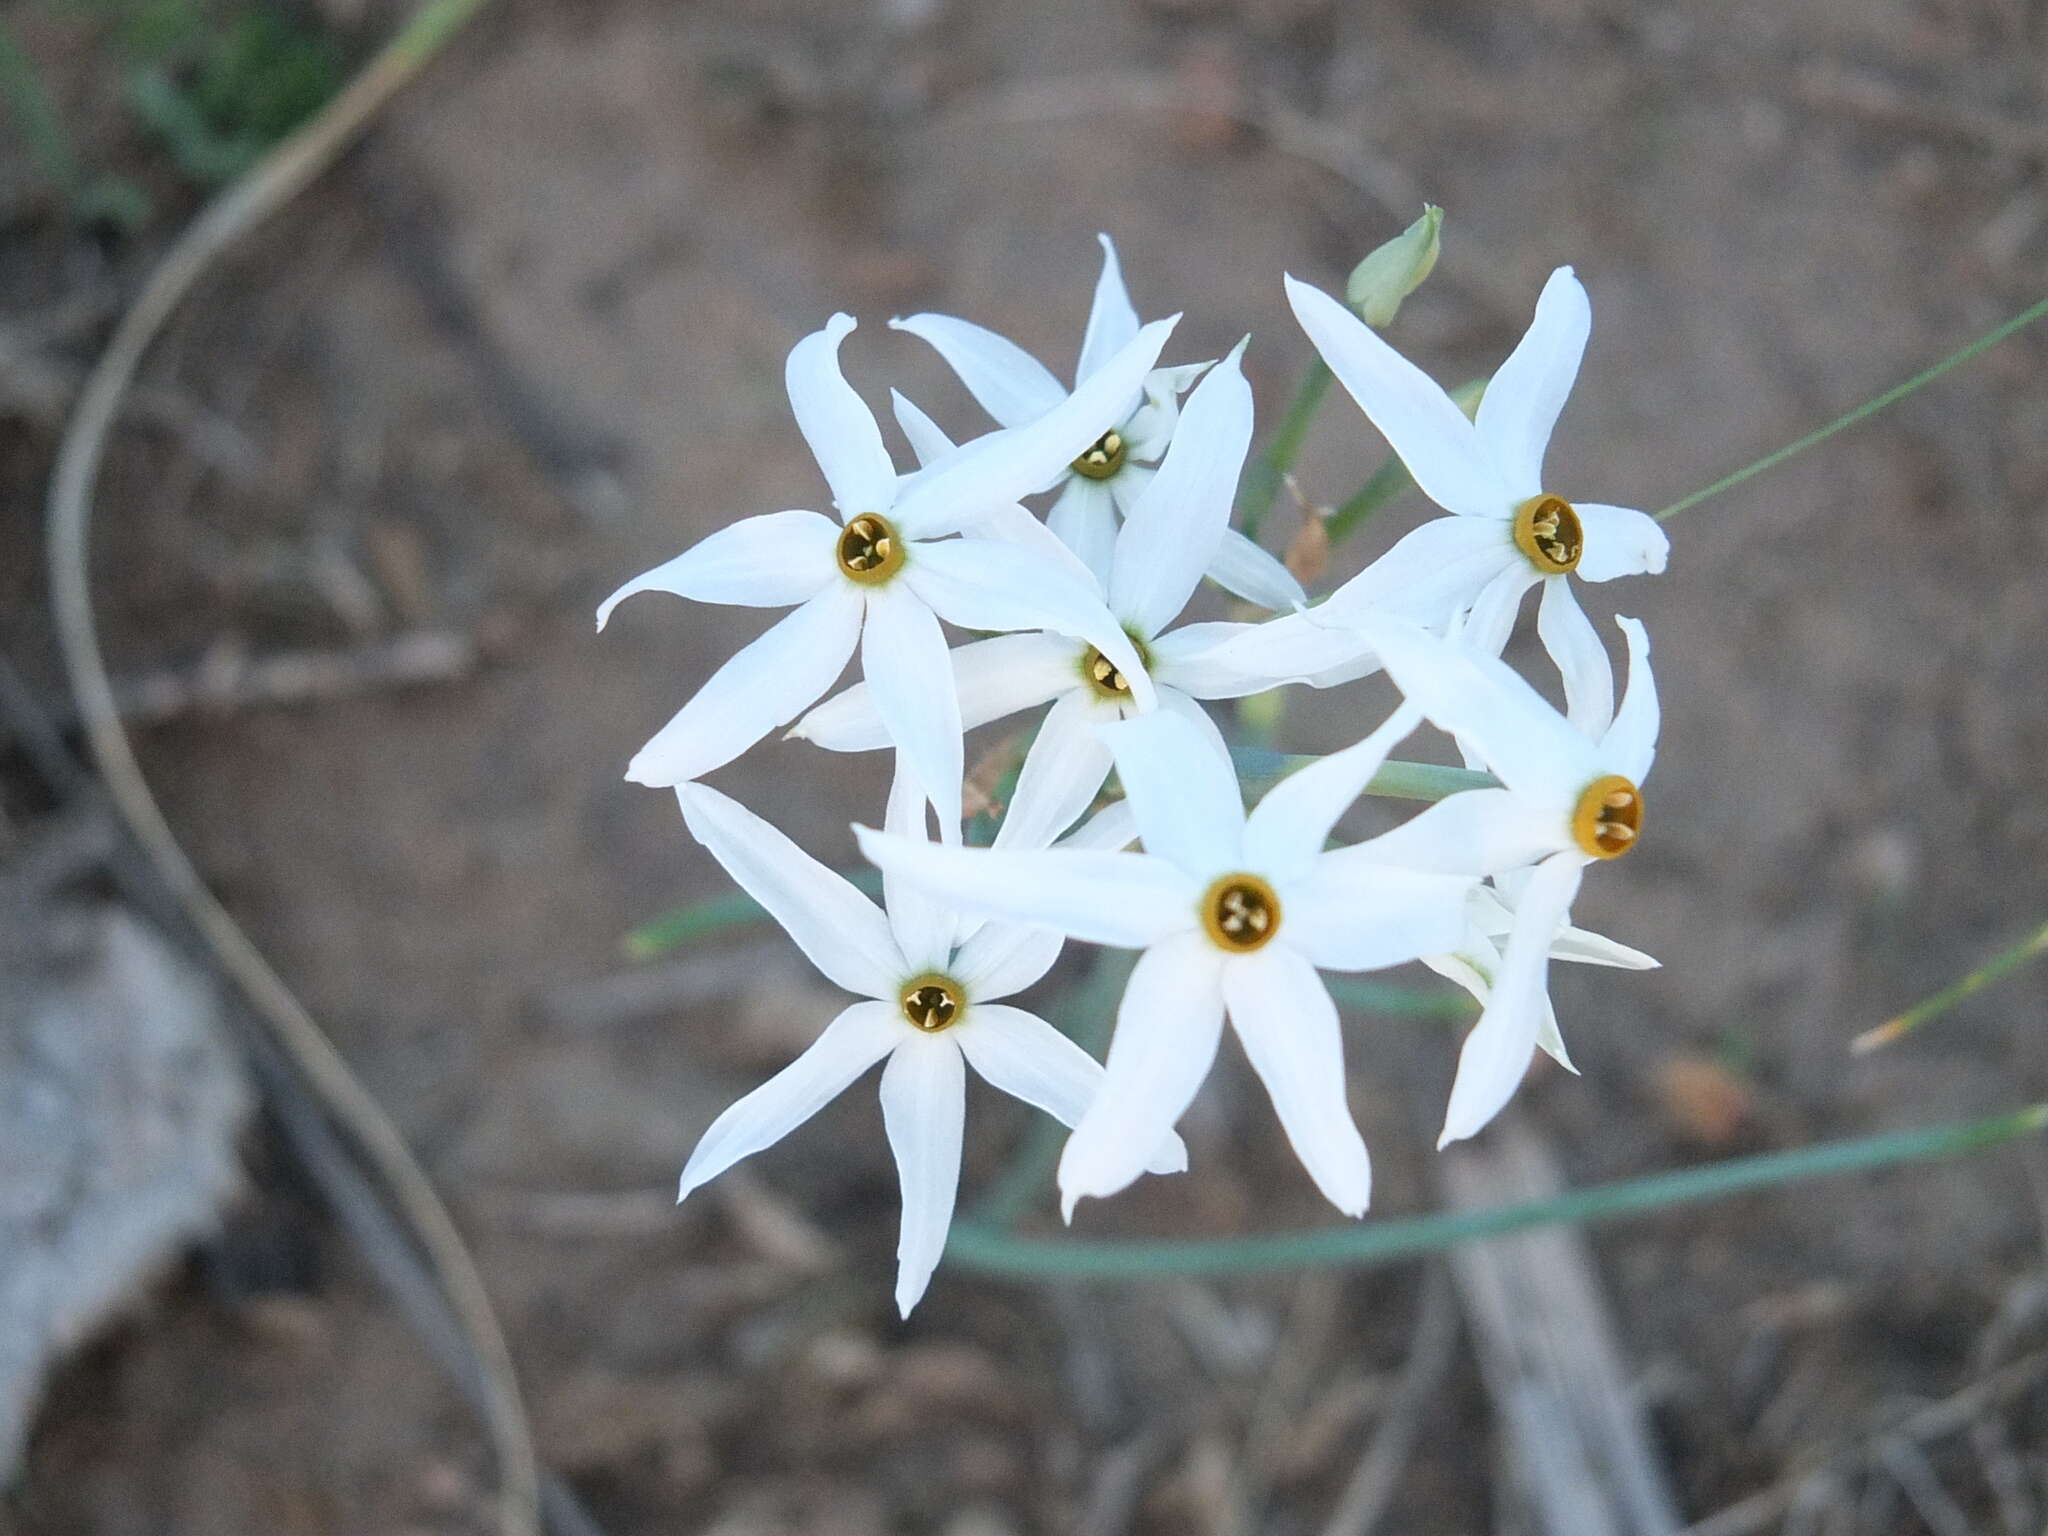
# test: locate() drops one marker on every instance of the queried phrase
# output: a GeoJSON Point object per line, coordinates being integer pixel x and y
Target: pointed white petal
{"type": "Point", "coordinates": [1285, 832]}
{"type": "Point", "coordinates": [1348, 915]}
{"type": "Point", "coordinates": [924, 1111]}
{"type": "Point", "coordinates": [1588, 948]}
{"type": "Point", "coordinates": [1152, 425]}
{"type": "Point", "coordinates": [1174, 529]}
{"type": "Point", "coordinates": [1061, 776]}
{"type": "Point", "coordinates": [1528, 744]}
{"type": "Point", "coordinates": [1127, 485]}
{"type": "Point", "coordinates": [1021, 461]}
{"type": "Point", "coordinates": [1630, 745]}
{"type": "Point", "coordinates": [992, 678]}
{"type": "Point", "coordinates": [774, 561]}
{"type": "Point", "coordinates": [1186, 799]}
{"type": "Point", "coordinates": [1244, 570]}
{"type": "Point", "coordinates": [1227, 661]}
{"type": "Point", "coordinates": [1496, 1054]}
{"type": "Point", "coordinates": [1522, 401]}
{"type": "Point", "coordinates": [760, 687]}
{"type": "Point", "coordinates": [1112, 319]}
{"type": "Point", "coordinates": [1004, 958]}
{"type": "Point", "coordinates": [1173, 702]}
{"type": "Point", "coordinates": [910, 677]}
{"type": "Point", "coordinates": [851, 1043]}
{"type": "Point", "coordinates": [1011, 384]}
{"type": "Point", "coordinates": [837, 423]}
{"type": "Point", "coordinates": [927, 439]}
{"type": "Point", "coordinates": [1028, 1059]}
{"type": "Point", "coordinates": [1429, 576]}
{"type": "Point", "coordinates": [1167, 1029]}
{"type": "Point", "coordinates": [1440, 447]}
{"type": "Point", "coordinates": [1581, 659]}
{"type": "Point", "coordinates": [1475, 832]}
{"type": "Point", "coordinates": [1486, 628]}
{"type": "Point", "coordinates": [1620, 542]}
{"type": "Point", "coordinates": [924, 928]}
{"type": "Point", "coordinates": [839, 930]}
{"type": "Point", "coordinates": [1013, 525]}
{"type": "Point", "coordinates": [1110, 830]}
{"type": "Point", "coordinates": [1124, 899]}
{"type": "Point", "coordinates": [1283, 1015]}
{"type": "Point", "coordinates": [988, 585]}
{"type": "Point", "coordinates": [1084, 519]}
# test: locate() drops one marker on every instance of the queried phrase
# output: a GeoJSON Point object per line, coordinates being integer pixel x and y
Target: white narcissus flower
{"type": "Point", "coordinates": [883, 578]}
{"type": "Point", "coordinates": [1160, 554]}
{"type": "Point", "coordinates": [931, 1011]}
{"type": "Point", "coordinates": [1567, 800]}
{"type": "Point", "coordinates": [1234, 914]}
{"type": "Point", "coordinates": [1510, 531]}
{"type": "Point", "coordinates": [1109, 476]}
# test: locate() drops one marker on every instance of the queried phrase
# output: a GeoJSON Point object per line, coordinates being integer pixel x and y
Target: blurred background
{"type": "Point", "coordinates": [528, 340]}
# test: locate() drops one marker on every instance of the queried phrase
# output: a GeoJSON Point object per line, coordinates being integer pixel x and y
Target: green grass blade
{"type": "Point", "coordinates": [1998, 967]}
{"type": "Point", "coordinates": [991, 1251]}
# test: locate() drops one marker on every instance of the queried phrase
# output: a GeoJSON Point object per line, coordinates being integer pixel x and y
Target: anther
{"type": "Point", "coordinates": [1105, 458]}
{"type": "Point", "coordinates": [1608, 818]}
{"type": "Point", "coordinates": [1241, 913]}
{"type": "Point", "coordinates": [1547, 531]}
{"type": "Point", "coordinates": [869, 550]}
{"type": "Point", "coordinates": [1105, 676]}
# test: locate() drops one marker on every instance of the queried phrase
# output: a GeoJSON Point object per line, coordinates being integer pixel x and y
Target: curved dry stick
{"type": "Point", "coordinates": [272, 183]}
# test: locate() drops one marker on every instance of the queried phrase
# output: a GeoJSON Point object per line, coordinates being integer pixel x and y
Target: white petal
{"type": "Point", "coordinates": [839, 930]}
{"type": "Point", "coordinates": [1152, 424]}
{"type": "Point", "coordinates": [774, 561]}
{"type": "Point", "coordinates": [1112, 319]}
{"type": "Point", "coordinates": [1028, 1059]}
{"type": "Point", "coordinates": [1348, 915]}
{"type": "Point", "coordinates": [1244, 570]}
{"type": "Point", "coordinates": [1522, 401]}
{"type": "Point", "coordinates": [924, 928]}
{"type": "Point", "coordinates": [1432, 574]}
{"type": "Point", "coordinates": [927, 439]}
{"type": "Point", "coordinates": [1227, 661]}
{"type": "Point", "coordinates": [1172, 701]}
{"type": "Point", "coordinates": [910, 677]}
{"type": "Point", "coordinates": [1003, 958]}
{"type": "Point", "coordinates": [1084, 519]}
{"type": "Point", "coordinates": [1173, 531]}
{"type": "Point", "coordinates": [988, 585]}
{"type": "Point", "coordinates": [1061, 776]}
{"type": "Point", "coordinates": [1528, 744]}
{"type": "Point", "coordinates": [1167, 1029]}
{"type": "Point", "coordinates": [1110, 830]}
{"type": "Point", "coordinates": [1620, 542]}
{"type": "Point", "coordinates": [1491, 621]}
{"type": "Point", "coordinates": [1283, 1015]}
{"type": "Point", "coordinates": [1440, 447]}
{"type": "Point", "coordinates": [1127, 485]}
{"type": "Point", "coordinates": [1011, 524]}
{"type": "Point", "coordinates": [1186, 800]}
{"type": "Point", "coordinates": [1588, 948]}
{"type": "Point", "coordinates": [1474, 832]}
{"type": "Point", "coordinates": [1630, 745]}
{"type": "Point", "coordinates": [1581, 659]}
{"type": "Point", "coordinates": [851, 1043]}
{"type": "Point", "coordinates": [837, 423]}
{"type": "Point", "coordinates": [1496, 1054]}
{"type": "Point", "coordinates": [924, 1111]}
{"type": "Point", "coordinates": [1124, 899]}
{"type": "Point", "coordinates": [1285, 832]}
{"type": "Point", "coordinates": [992, 678]}
{"type": "Point", "coordinates": [760, 687]}
{"type": "Point", "coordinates": [1021, 461]}
{"type": "Point", "coordinates": [1011, 384]}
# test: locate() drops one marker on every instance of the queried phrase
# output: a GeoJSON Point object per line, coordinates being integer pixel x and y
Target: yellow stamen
{"type": "Point", "coordinates": [1548, 533]}
{"type": "Point", "coordinates": [870, 552]}
{"type": "Point", "coordinates": [933, 1002]}
{"type": "Point", "coordinates": [1240, 913]}
{"type": "Point", "coordinates": [1105, 458]}
{"type": "Point", "coordinates": [1609, 817]}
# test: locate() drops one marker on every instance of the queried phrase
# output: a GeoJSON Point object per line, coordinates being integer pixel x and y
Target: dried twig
{"type": "Point", "coordinates": [228, 680]}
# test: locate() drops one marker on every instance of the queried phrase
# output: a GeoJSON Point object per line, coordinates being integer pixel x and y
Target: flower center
{"type": "Point", "coordinates": [1609, 817]}
{"type": "Point", "coordinates": [1547, 530]}
{"type": "Point", "coordinates": [1105, 458]}
{"type": "Point", "coordinates": [1240, 913]}
{"type": "Point", "coordinates": [1104, 676]}
{"type": "Point", "coordinates": [932, 1002]}
{"type": "Point", "coordinates": [869, 550]}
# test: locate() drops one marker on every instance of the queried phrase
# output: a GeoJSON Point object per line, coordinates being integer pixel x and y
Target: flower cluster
{"type": "Point", "coordinates": [1235, 912]}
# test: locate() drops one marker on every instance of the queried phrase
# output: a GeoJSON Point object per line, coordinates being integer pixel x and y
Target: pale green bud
{"type": "Point", "coordinates": [1379, 283]}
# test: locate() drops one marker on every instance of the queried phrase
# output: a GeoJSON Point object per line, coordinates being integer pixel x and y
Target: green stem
{"type": "Point", "coordinates": [1869, 408]}
{"type": "Point", "coordinates": [2000, 965]}
{"type": "Point", "coordinates": [980, 1247]}
{"type": "Point", "coordinates": [1262, 485]}
{"type": "Point", "coordinates": [1381, 487]}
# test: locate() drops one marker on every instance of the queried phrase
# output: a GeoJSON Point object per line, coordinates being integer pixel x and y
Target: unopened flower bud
{"type": "Point", "coordinates": [1379, 283]}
